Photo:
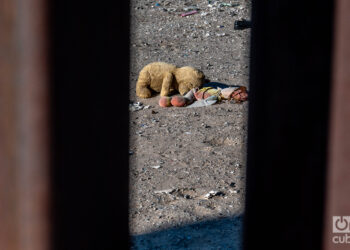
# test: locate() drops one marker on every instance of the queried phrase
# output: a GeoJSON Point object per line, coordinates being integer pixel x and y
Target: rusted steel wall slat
{"type": "Point", "coordinates": [24, 150]}
{"type": "Point", "coordinates": [338, 177]}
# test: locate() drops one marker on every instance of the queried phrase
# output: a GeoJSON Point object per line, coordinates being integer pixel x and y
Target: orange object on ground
{"type": "Point", "coordinates": [165, 101]}
{"type": "Point", "coordinates": [178, 101]}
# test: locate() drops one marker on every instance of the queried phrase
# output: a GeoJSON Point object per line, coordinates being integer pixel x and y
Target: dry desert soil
{"type": "Point", "coordinates": [187, 165]}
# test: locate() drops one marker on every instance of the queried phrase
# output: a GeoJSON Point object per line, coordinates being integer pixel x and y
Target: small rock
{"type": "Point", "coordinates": [186, 196]}
{"type": "Point", "coordinates": [205, 125]}
{"type": "Point", "coordinates": [213, 193]}
{"type": "Point", "coordinates": [156, 167]}
{"type": "Point", "coordinates": [165, 191]}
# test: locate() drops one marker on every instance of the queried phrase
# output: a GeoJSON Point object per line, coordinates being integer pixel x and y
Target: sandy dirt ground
{"type": "Point", "coordinates": [179, 155]}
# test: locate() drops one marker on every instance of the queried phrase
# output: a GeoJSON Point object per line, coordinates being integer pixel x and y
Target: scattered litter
{"type": "Point", "coordinates": [190, 8]}
{"type": "Point", "coordinates": [204, 13]}
{"type": "Point", "coordinates": [135, 106]}
{"type": "Point", "coordinates": [189, 13]}
{"type": "Point", "coordinates": [235, 191]}
{"type": "Point", "coordinates": [188, 133]}
{"type": "Point", "coordinates": [164, 191]}
{"type": "Point", "coordinates": [131, 152]}
{"type": "Point", "coordinates": [228, 4]}
{"type": "Point", "coordinates": [156, 167]}
{"type": "Point", "coordinates": [232, 184]}
{"type": "Point", "coordinates": [171, 9]}
{"type": "Point", "coordinates": [157, 4]}
{"type": "Point", "coordinates": [221, 34]}
{"type": "Point", "coordinates": [242, 24]}
{"type": "Point", "coordinates": [213, 193]}
{"type": "Point", "coordinates": [205, 125]}
{"type": "Point", "coordinates": [138, 106]}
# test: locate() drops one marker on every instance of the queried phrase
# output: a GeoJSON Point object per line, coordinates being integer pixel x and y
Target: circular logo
{"type": "Point", "coordinates": [341, 224]}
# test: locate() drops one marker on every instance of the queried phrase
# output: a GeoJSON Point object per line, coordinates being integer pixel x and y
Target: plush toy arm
{"type": "Point", "coordinates": [166, 85]}
{"type": "Point", "coordinates": [183, 89]}
{"type": "Point", "coordinates": [142, 83]}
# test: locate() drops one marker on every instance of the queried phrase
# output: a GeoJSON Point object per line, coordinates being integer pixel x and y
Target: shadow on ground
{"type": "Point", "coordinates": [218, 85]}
{"type": "Point", "coordinates": [215, 234]}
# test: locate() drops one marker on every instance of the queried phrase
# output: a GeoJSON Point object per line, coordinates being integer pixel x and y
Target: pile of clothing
{"type": "Point", "coordinates": [205, 96]}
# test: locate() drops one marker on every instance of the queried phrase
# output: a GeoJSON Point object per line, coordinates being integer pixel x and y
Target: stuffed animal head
{"type": "Point", "coordinates": [189, 78]}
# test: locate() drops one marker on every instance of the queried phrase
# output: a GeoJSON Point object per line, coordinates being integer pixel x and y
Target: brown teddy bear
{"type": "Point", "coordinates": [165, 78]}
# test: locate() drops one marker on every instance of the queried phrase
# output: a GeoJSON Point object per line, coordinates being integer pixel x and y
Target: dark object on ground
{"type": "Point", "coordinates": [217, 85]}
{"type": "Point", "coordinates": [242, 24]}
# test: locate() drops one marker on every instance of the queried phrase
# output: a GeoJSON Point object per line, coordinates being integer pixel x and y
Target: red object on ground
{"type": "Point", "coordinates": [189, 13]}
{"type": "Point", "coordinates": [165, 101]}
{"type": "Point", "coordinates": [178, 101]}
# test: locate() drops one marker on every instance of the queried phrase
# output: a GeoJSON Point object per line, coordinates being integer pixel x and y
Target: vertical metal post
{"type": "Point", "coordinates": [24, 126]}
{"type": "Point", "coordinates": [290, 76]}
{"type": "Point", "coordinates": [338, 177]}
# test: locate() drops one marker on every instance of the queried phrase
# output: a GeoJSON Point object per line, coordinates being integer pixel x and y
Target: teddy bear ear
{"type": "Point", "coordinates": [200, 74]}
